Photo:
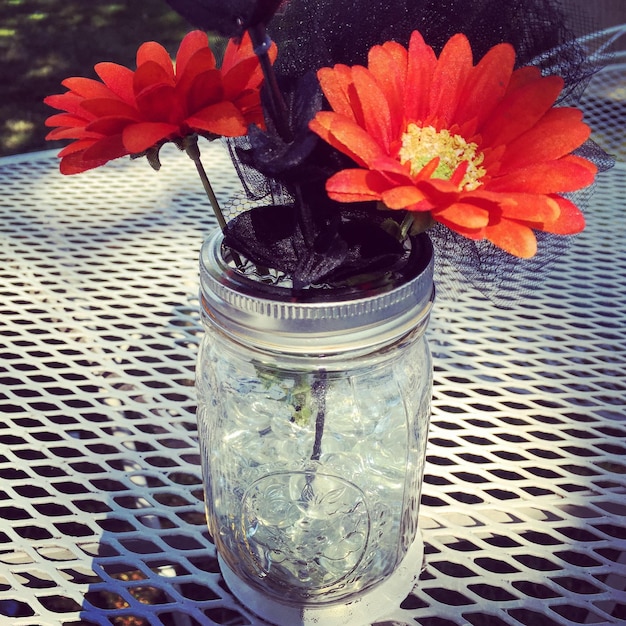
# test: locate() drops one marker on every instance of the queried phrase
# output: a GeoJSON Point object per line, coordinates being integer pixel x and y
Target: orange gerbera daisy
{"type": "Point", "coordinates": [129, 112]}
{"type": "Point", "coordinates": [479, 148]}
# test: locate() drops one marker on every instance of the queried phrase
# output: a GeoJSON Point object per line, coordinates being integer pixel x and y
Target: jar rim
{"type": "Point", "coordinates": [320, 320]}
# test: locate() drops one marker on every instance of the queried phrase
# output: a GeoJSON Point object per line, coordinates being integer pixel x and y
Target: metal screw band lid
{"type": "Point", "coordinates": [321, 320]}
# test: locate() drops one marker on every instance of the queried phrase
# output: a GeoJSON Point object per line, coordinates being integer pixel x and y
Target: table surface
{"type": "Point", "coordinates": [101, 512]}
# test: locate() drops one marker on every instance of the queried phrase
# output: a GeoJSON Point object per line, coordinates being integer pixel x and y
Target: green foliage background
{"type": "Point", "coordinates": [43, 42]}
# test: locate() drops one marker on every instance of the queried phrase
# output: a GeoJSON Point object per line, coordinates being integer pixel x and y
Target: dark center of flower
{"type": "Point", "coordinates": [420, 145]}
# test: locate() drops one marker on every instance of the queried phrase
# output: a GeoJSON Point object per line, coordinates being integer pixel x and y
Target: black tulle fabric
{"type": "Point", "coordinates": [301, 231]}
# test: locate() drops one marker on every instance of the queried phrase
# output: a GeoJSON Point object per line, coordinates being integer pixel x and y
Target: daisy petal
{"type": "Point", "coordinates": [440, 192]}
{"type": "Point", "coordinates": [243, 76]}
{"type": "Point", "coordinates": [567, 174]}
{"type": "Point", "coordinates": [66, 120]}
{"type": "Point", "coordinates": [557, 133]}
{"type": "Point", "coordinates": [108, 125]}
{"type": "Point", "coordinates": [76, 164]}
{"type": "Point", "coordinates": [421, 66]}
{"type": "Point", "coordinates": [71, 132]}
{"type": "Point", "coordinates": [356, 186]}
{"type": "Point", "coordinates": [393, 169]}
{"type": "Point", "coordinates": [107, 107]}
{"type": "Point", "coordinates": [530, 208]}
{"type": "Point", "coordinates": [523, 76]}
{"type": "Point", "coordinates": [486, 85]}
{"type": "Point", "coordinates": [193, 42]}
{"type": "Point", "coordinates": [449, 78]}
{"type": "Point", "coordinates": [376, 114]}
{"type": "Point", "coordinates": [335, 83]}
{"type": "Point", "coordinates": [148, 76]}
{"type": "Point", "coordinates": [152, 52]}
{"type": "Point", "coordinates": [200, 89]}
{"type": "Point", "coordinates": [76, 146]}
{"type": "Point", "coordinates": [223, 118]}
{"type": "Point", "coordinates": [118, 79]}
{"type": "Point", "coordinates": [236, 53]}
{"type": "Point", "coordinates": [67, 101]}
{"type": "Point", "coordinates": [402, 197]}
{"type": "Point", "coordinates": [347, 136]}
{"type": "Point", "coordinates": [514, 238]}
{"type": "Point", "coordinates": [160, 103]}
{"type": "Point", "coordinates": [570, 220]}
{"type": "Point", "coordinates": [137, 138]}
{"type": "Point", "coordinates": [106, 149]}
{"type": "Point", "coordinates": [388, 64]}
{"type": "Point", "coordinates": [521, 109]}
{"type": "Point", "coordinates": [87, 87]}
{"type": "Point", "coordinates": [465, 214]}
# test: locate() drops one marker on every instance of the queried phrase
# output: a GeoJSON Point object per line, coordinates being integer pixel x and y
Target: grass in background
{"type": "Point", "coordinates": [43, 42]}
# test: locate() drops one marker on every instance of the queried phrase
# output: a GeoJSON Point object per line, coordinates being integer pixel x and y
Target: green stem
{"type": "Point", "coordinates": [415, 222]}
{"type": "Point", "coordinates": [190, 146]}
{"type": "Point", "coordinates": [193, 151]}
{"type": "Point", "coordinates": [405, 227]}
{"type": "Point", "coordinates": [211, 195]}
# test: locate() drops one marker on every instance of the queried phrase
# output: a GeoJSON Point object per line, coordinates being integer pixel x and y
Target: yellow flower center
{"type": "Point", "coordinates": [420, 145]}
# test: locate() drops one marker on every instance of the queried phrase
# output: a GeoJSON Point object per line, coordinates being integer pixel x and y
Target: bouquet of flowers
{"type": "Point", "coordinates": [355, 125]}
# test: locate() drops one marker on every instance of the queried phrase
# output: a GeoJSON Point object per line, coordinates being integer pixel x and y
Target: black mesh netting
{"type": "Point", "coordinates": [311, 34]}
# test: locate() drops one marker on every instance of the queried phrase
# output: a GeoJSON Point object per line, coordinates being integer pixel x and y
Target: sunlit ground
{"type": "Point", "coordinates": [44, 41]}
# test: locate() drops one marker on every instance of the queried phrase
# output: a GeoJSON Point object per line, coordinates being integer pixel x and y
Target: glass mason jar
{"type": "Point", "coordinates": [312, 420]}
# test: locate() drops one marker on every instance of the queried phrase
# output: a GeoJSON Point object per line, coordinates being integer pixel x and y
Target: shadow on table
{"type": "Point", "coordinates": [154, 562]}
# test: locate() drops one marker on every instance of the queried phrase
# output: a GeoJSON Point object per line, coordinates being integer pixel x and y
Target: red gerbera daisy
{"type": "Point", "coordinates": [479, 148]}
{"type": "Point", "coordinates": [130, 112]}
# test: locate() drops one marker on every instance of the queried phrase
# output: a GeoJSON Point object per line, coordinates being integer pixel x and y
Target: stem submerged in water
{"type": "Point", "coordinates": [319, 392]}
